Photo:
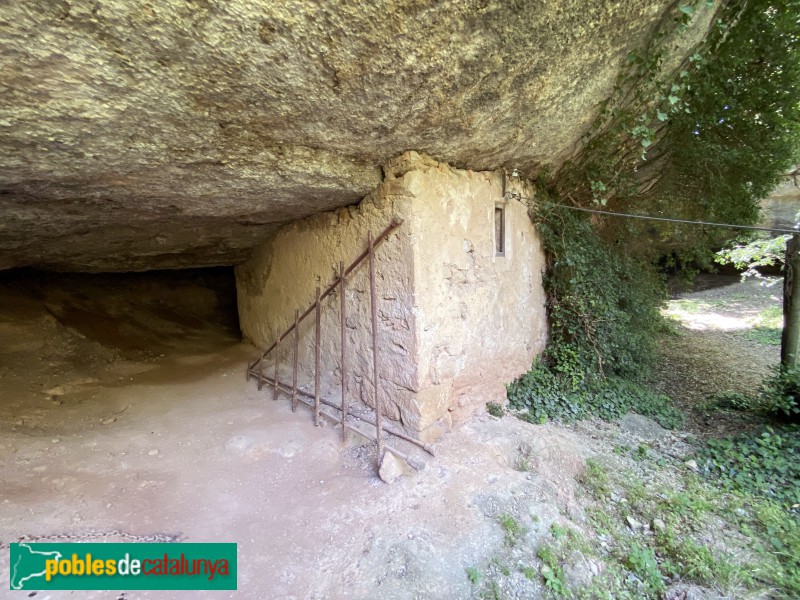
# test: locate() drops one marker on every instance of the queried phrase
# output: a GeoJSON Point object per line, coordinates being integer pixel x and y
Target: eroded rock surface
{"type": "Point", "coordinates": [782, 206]}
{"type": "Point", "coordinates": [139, 135]}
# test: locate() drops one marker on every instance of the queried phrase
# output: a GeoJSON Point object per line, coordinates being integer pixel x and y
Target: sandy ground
{"type": "Point", "coordinates": [125, 416]}
{"type": "Point", "coordinates": [125, 441]}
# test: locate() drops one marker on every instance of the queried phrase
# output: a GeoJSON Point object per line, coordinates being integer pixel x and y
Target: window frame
{"type": "Point", "coordinates": [500, 240]}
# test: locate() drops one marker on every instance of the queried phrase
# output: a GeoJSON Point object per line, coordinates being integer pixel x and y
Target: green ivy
{"type": "Point", "coordinates": [765, 463]}
{"type": "Point", "coordinates": [603, 315]}
{"type": "Point", "coordinates": [542, 394]}
{"type": "Point", "coordinates": [602, 302]}
{"type": "Point", "coordinates": [705, 142]}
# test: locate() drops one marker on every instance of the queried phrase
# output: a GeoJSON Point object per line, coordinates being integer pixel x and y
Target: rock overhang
{"type": "Point", "coordinates": [179, 134]}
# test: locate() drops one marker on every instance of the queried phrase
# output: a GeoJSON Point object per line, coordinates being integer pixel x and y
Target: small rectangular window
{"type": "Point", "coordinates": [499, 231]}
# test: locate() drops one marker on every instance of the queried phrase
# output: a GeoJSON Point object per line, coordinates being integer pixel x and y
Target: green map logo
{"type": "Point", "coordinates": [28, 564]}
{"type": "Point", "coordinates": [123, 566]}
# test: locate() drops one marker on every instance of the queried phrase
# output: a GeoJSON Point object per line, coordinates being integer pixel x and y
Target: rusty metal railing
{"type": "Point", "coordinates": [315, 401]}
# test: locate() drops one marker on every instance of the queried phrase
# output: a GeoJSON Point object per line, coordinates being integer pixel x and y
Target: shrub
{"type": "Point", "coordinates": [780, 392]}
{"type": "Point", "coordinates": [603, 312]}
{"type": "Point", "coordinates": [602, 303]}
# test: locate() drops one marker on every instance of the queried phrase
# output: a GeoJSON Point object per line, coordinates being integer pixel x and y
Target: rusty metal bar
{"type": "Point", "coordinates": [260, 374]}
{"type": "Point", "coordinates": [343, 319]}
{"type": "Point", "coordinates": [396, 222]}
{"type": "Point", "coordinates": [390, 430]}
{"type": "Point", "coordinates": [336, 421]}
{"type": "Point", "coordinates": [277, 364]}
{"type": "Point", "coordinates": [317, 335]}
{"type": "Point", "coordinates": [374, 306]}
{"type": "Point", "coordinates": [296, 348]}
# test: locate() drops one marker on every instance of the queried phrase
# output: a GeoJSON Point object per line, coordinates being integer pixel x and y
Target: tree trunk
{"type": "Point", "coordinates": [790, 340]}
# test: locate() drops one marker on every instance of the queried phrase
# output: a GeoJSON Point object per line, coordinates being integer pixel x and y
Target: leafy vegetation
{"type": "Point", "coordinates": [743, 125]}
{"type": "Point", "coordinates": [495, 409]}
{"type": "Point", "coordinates": [764, 463]}
{"type": "Point", "coordinates": [768, 336]}
{"type": "Point", "coordinates": [552, 572]}
{"type": "Point", "coordinates": [603, 309]}
{"type": "Point", "coordinates": [642, 561]}
{"type": "Point", "coordinates": [779, 396]}
{"type": "Point", "coordinates": [778, 537]}
{"type": "Point", "coordinates": [654, 523]}
{"type": "Point", "coordinates": [595, 479]}
{"type": "Point", "coordinates": [602, 303]}
{"type": "Point", "coordinates": [542, 394]}
{"type": "Point", "coordinates": [737, 401]}
{"type": "Point", "coordinates": [780, 392]}
{"type": "Point", "coordinates": [706, 142]}
{"type": "Point", "coordinates": [706, 145]}
{"type": "Point", "coordinates": [751, 252]}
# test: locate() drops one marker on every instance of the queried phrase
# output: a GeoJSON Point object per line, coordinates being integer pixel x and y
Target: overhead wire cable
{"type": "Point", "coordinates": [670, 220]}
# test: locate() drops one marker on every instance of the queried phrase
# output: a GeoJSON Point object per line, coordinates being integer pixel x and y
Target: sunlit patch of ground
{"type": "Point", "coordinates": [726, 339]}
{"type": "Point", "coordinates": [738, 306]}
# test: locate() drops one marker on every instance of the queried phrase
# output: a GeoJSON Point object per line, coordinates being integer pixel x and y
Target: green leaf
{"type": "Point", "coordinates": [687, 10]}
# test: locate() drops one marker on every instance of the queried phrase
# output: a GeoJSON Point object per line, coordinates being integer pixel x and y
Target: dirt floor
{"type": "Point", "coordinates": [726, 338]}
{"type": "Point", "coordinates": [125, 416]}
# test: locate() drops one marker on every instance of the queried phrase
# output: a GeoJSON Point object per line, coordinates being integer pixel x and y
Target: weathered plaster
{"type": "Point", "coordinates": [480, 318]}
{"type": "Point", "coordinates": [283, 275]}
{"type": "Point", "coordinates": [456, 321]}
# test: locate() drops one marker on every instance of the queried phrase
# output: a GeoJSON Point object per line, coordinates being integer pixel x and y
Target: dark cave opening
{"type": "Point", "coordinates": [142, 313]}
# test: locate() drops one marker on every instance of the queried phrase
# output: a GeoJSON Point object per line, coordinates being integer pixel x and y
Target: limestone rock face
{"type": "Point", "coordinates": [140, 135]}
{"type": "Point", "coordinates": [781, 207]}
